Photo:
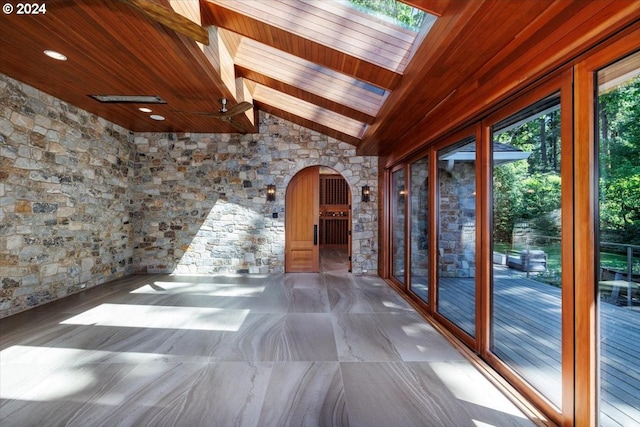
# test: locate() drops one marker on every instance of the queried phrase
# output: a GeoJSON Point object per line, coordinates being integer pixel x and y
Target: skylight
{"type": "Point", "coordinates": [393, 11]}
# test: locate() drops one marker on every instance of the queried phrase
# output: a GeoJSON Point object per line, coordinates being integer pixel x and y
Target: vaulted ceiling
{"type": "Point", "coordinates": [318, 63]}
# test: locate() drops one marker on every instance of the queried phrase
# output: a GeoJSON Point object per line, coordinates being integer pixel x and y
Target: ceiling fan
{"type": "Point", "coordinates": [224, 114]}
{"type": "Point", "coordinates": [170, 19]}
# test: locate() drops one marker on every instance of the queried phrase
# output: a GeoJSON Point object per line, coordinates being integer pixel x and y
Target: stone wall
{"type": "Point", "coordinates": [64, 197]}
{"type": "Point", "coordinates": [201, 198]}
{"type": "Point", "coordinates": [84, 201]}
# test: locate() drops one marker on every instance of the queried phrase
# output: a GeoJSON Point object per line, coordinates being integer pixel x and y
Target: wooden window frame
{"type": "Point", "coordinates": [575, 81]}
{"type": "Point", "coordinates": [586, 221]}
{"type": "Point", "coordinates": [559, 83]}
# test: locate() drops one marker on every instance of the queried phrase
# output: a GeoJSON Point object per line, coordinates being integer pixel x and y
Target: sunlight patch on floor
{"type": "Point", "coordinates": [209, 289]}
{"type": "Point", "coordinates": [457, 378]}
{"type": "Point", "coordinates": [164, 317]}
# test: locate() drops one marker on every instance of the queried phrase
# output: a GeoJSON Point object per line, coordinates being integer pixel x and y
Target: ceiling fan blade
{"type": "Point", "coordinates": [226, 115]}
{"type": "Point", "coordinates": [237, 126]}
{"type": "Point", "coordinates": [237, 109]}
{"type": "Point", "coordinates": [203, 113]}
{"type": "Point", "coordinates": [171, 19]}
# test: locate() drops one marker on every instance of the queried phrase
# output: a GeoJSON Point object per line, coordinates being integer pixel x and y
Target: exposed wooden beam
{"type": "Point", "coordinates": [303, 95]}
{"type": "Point", "coordinates": [308, 111]}
{"type": "Point", "coordinates": [171, 19]}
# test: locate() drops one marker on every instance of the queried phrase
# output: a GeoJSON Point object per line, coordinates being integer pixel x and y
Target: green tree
{"type": "Point", "coordinates": [619, 158]}
{"type": "Point", "coordinates": [529, 190]}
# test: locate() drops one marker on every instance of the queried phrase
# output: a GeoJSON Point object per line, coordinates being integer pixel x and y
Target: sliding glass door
{"type": "Point", "coordinates": [526, 283]}
{"type": "Point", "coordinates": [457, 234]}
{"type": "Point", "coordinates": [618, 149]}
{"type": "Point", "coordinates": [419, 236]}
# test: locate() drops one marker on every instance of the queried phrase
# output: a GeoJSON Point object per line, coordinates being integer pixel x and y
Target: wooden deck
{"type": "Point", "coordinates": [527, 335]}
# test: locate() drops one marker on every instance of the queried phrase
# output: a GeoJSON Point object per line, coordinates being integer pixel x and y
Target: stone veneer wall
{"type": "Point", "coordinates": [84, 201]}
{"type": "Point", "coordinates": [201, 202]}
{"type": "Point", "coordinates": [64, 198]}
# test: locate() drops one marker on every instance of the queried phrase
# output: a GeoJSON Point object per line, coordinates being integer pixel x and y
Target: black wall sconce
{"type": "Point", "coordinates": [366, 194]}
{"type": "Point", "coordinates": [271, 193]}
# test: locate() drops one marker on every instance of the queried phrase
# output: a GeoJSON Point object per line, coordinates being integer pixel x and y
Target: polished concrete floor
{"type": "Point", "coordinates": [327, 349]}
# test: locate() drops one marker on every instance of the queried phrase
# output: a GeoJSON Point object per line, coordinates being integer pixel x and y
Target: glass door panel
{"type": "Point", "coordinates": [457, 234]}
{"type": "Point", "coordinates": [419, 194]}
{"type": "Point", "coordinates": [398, 225]}
{"type": "Point", "coordinates": [619, 232]}
{"type": "Point", "coordinates": [526, 303]}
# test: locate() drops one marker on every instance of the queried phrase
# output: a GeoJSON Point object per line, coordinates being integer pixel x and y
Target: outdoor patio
{"type": "Point", "coordinates": [527, 335]}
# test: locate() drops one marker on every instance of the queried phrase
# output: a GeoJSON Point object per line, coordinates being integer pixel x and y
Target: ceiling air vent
{"type": "Point", "coordinates": [124, 99]}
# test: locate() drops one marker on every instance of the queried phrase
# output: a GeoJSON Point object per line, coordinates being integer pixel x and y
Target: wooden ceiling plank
{"type": "Point", "coordinates": [114, 49]}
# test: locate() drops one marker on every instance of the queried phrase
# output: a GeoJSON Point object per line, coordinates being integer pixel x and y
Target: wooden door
{"type": "Point", "coordinates": [302, 253]}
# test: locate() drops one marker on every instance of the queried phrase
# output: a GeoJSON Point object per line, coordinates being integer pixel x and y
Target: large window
{"type": "Point", "coordinates": [457, 234]}
{"type": "Point", "coordinates": [526, 287]}
{"type": "Point", "coordinates": [618, 118]}
{"type": "Point", "coordinates": [524, 240]}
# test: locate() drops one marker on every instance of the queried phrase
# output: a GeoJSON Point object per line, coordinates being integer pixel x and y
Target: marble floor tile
{"type": "Point", "coordinates": [304, 394]}
{"type": "Point", "coordinates": [148, 394]}
{"type": "Point", "coordinates": [308, 300]}
{"type": "Point", "coordinates": [360, 337]}
{"type": "Point", "coordinates": [415, 395]}
{"type": "Point", "coordinates": [304, 280]}
{"type": "Point", "coordinates": [415, 339]}
{"type": "Point", "coordinates": [321, 349]}
{"type": "Point", "coordinates": [280, 338]}
{"type": "Point", "coordinates": [365, 300]}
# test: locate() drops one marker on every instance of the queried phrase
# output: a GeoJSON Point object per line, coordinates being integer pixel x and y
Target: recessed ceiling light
{"type": "Point", "coordinates": [55, 55]}
{"type": "Point", "coordinates": [145, 109]}
{"type": "Point", "coordinates": [157, 117]}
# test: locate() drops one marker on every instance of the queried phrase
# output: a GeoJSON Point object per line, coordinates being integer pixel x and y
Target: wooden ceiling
{"type": "Point", "coordinates": [317, 63]}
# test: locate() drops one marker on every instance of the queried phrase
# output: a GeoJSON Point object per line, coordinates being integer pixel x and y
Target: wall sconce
{"type": "Point", "coordinates": [366, 193]}
{"type": "Point", "coordinates": [271, 193]}
{"type": "Point", "coordinates": [402, 193]}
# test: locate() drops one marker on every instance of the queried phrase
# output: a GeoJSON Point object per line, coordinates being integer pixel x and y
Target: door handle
{"type": "Point", "coordinates": [315, 234]}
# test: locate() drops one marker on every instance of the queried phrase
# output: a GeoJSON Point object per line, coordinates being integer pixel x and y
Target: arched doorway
{"type": "Point", "coordinates": [317, 220]}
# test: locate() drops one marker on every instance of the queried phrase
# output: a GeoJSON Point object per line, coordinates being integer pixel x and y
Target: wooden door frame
{"type": "Point", "coordinates": [350, 215]}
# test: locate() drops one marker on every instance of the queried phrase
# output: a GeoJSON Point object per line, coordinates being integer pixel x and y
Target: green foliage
{"type": "Point", "coordinates": [405, 14]}
{"type": "Point", "coordinates": [619, 158]}
{"type": "Point", "coordinates": [529, 190]}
